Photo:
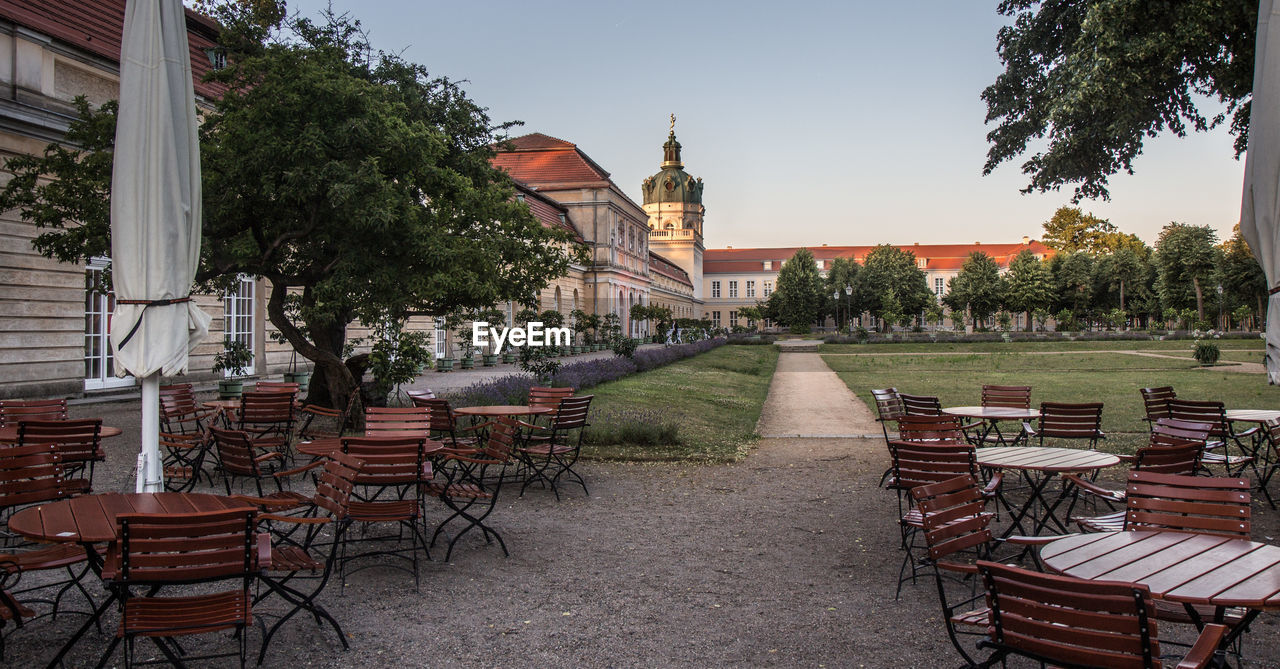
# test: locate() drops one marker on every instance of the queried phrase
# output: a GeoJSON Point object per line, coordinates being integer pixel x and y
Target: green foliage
{"type": "Point", "coordinates": [841, 274]}
{"type": "Point", "coordinates": [890, 309]}
{"type": "Point", "coordinates": [888, 268]}
{"type": "Point", "coordinates": [1240, 275]}
{"type": "Point", "coordinates": [1186, 259]}
{"type": "Point", "coordinates": [1029, 285]}
{"type": "Point", "coordinates": [977, 288]}
{"type": "Point", "coordinates": [934, 314]}
{"type": "Point", "coordinates": [1041, 318]}
{"type": "Point", "coordinates": [1115, 319]}
{"type": "Point", "coordinates": [623, 346]}
{"type": "Point", "coordinates": [540, 361]}
{"type": "Point", "coordinates": [234, 358]}
{"type": "Point", "coordinates": [1066, 320]}
{"type": "Point", "coordinates": [1241, 315]}
{"type": "Point", "coordinates": [1005, 321]}
{"type": "Point", "coordinates": [797, 301]}
{"type": "Point", "coordinates": [66, 191]}
{"type": "Point", "coordinates": [396, 355]}
{"type": "Point", "coordinates": [1073, 281]}
{"type": "Point", "coordinates": [1096, 77]}
{"type": "Point", "coordinates": [551, 318]}
{"type": "Point", "coordinates": [1206, 352]}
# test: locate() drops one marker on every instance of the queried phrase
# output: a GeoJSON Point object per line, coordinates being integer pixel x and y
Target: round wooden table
{"type": "Point", "coordinates": [1181, 567]}
{"type": "Point", "coordinates": [323, 448]}
{"type": "Point", "coordinates": [1038, 465]}
{"type": "Point", "coordinates": [1266, 452]}
{"type": "Point", "coordinates": [9, 433]}
{"type": "Point", "coordinates": [90, 519]}
{"type": "Point", "coordinates": [991, 417]}
{"type": "Point", "coordinates": [504, 410]}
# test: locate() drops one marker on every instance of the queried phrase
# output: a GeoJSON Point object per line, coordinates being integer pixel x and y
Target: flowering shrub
{"type": "Point", "coordinates": [633, 427]}
{"type": "Point", "coordinates": [1206, 351]}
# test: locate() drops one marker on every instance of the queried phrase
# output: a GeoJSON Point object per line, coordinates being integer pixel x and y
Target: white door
{"type": "Point", "coordinates": [238, 314]}
{"type": "Point", "coordinates": [99, 363]}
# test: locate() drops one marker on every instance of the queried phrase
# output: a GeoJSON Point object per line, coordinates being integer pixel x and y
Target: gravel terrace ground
{"type": "Point", "coordinates": [787, 558]}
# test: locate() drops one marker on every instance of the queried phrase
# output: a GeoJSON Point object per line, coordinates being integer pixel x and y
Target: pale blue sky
{"type": "Point", "coordinates": [815, 122]}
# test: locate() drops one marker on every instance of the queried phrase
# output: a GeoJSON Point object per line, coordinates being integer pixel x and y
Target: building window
{"type": "Point", "coordinates": [768, 288]}
{"type": "Point", "coordinates": [715, 318]}
{"type": "Point", "coordinates": [768, 265]}
{"type": "Point", "coordinates": [939, 286]}
{"type": "Point", "coordinates": [733, 289]}
{"type": "Point", "coordinates": [238, 309]}
{"type": "Point", "coordinates": [733, 319]}
{"type": "Point", "coordinates": [715, 289]}
{"type": "Point", "coordinates": [751, 289]}
{"type": "Point", "coordinates": [99, 363]}
{"type": "Point", "coordinates": [922, 262]}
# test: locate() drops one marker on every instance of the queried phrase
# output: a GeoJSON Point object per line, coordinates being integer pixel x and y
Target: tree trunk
{"type": "Point", "coordinates": [332, 382]}
{"type": "Point", "coordinates": [1029, 323]}
{"type": "Point", "coordinates": [1121, 294]}
{"type": "Point", "coordinates": [1195, 281]}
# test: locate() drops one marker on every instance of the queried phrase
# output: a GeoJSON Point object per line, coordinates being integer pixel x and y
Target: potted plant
{"type": "Point", "coordinates": [292, 306]}
{"type": "Point", "coordinates": [396, 358]}
{"type": "Point", "coordinates": [495, 320]}
{"type": "Point", "coordinates": [579, 318]}
{"type": "Point", "coordinates": [467, 352]}
{"type": "Point", "coordinates": [234, 359]}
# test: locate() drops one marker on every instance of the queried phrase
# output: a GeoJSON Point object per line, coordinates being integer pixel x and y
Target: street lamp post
{"type": "Point", "coordinates": [848, 306]}
{"type": "Point", "coordinates": [1220, 307]}
{"type": "Point", "coordinates": [835, 297]}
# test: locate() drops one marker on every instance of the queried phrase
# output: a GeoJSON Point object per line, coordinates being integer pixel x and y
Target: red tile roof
{"type": "Point", "coordinates": [547, 163]}
{"type": "Point", "coordinates": [669, 269]}
{"type": "Point", "coordinates": [551, 213]}
{"type": "Point", "coordinates": [937, 256]}
{"type": "Point", "coordinates": [97, 26]}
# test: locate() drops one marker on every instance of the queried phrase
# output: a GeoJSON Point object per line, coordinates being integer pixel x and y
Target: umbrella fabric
{"type": "Point", "coordinates": [155, 195]}
{"type": "Point", "coordinates": [1260, 207]}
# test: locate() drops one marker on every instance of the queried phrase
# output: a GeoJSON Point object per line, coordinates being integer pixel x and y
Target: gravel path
{"type": "Point", "coordinates": [787, 558]}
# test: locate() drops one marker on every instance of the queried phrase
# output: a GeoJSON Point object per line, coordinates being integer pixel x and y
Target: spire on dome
{"type": "Point", "coordinates": [671, 150]}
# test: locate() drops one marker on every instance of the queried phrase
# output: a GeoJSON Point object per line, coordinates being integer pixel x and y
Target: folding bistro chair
{"type": "Point", "coordinates": [1006, 397]}
{"type": "Point", "coordinates": [1073, 622]}
{"type": "Point", "coordinates": [78, 442]}
{"type": "Point", "coordinates": [397, 421]}
{"type": "Point", "coordinates": [935, 428]}
{"type": "Point", "coordinates": [1218, 447]}
{"type": "Point", "coordinates": [268, 416]}
{"type": "Point", "coordinates": [1155, 402]}
{"type": "Point", "coordinates": [388, 490]}
{"type": "Point", "coordinates": [241, 458]}
{"type": "Point", "coordinates": [550, 452]}
{"type": "Point", "coordinates": [920, 405]}
{"type": "Point", "coordinates": [1179, 503]}
{"type": "Point", "coordinates": [1175, 448]}
{"type": "Point", "coordinates": [326, 423]}
{"type": "Point", "coordinates": [444, 424]}
{"type": "Point", "coordinates": [469, 484]}
{"type": "Point", "coordinates": [159, 550]}
{"type": "Point", "coordinates": [180, 413]}
{"type": "Point", "coordinates": [12, 411]}
{"type": "Point", "coordinates": [1059, 421]}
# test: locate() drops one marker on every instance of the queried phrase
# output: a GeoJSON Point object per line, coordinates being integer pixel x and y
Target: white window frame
{"type": "Point", "coordinates": [751, 288]}
{"type": "Point", "coordinates": [99, 367]}
{"type": "Point", "coordinates": [733, 289]}
{"type": "Point", "coordinates": [939, 286]}
{"type": "Point", "coordinates": [242, 310]}
{"type": "Point", "coordinates": [715, 289]}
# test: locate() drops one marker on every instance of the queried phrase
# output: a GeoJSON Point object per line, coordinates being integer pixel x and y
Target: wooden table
{"type": "Point", "coordinates": [323, 448]}
{"type": "Point", "coordinates": [504, 410]}
{"type": "Point", "coordinates": [991, 417]}
{"type": "Point", "coordinates": [91, 519]}
{"type": "Point", "coordinates": [1185, 568]}
{"type": "Point", "coordinates": [9, 433]}
{"type": "Point", "coordinates": [1266, 452]}
{"type": "Point", "coordinates": [1038, 465]}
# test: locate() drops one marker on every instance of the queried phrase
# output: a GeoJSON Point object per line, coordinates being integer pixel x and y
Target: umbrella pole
{"type": "Point", "coordinates": [150, 473]}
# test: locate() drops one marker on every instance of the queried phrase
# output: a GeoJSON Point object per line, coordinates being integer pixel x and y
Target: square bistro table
{"type": "Point", "coordinates": [1180, 567]}
{"type": "Point", "coordinates": [991, 416]}
{"type": "Point", "coordinates": [1266, 452]}
{"type": "Point", "coordinates": [1038, 466]}
{"type": "Point", "coordinates": [91, 519]}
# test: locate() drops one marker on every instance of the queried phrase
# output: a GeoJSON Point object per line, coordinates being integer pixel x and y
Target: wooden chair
{"type": "Point", "coordinates": [920, 405]}
{"type": "Point", "coordinates": [183, 459]}
{"type": "Point", "coordinates": [549, 453]}
{"type": "Point", "coordinates": [1180, 503]}
{"type": "Point", "coordinates": [1059, 420]}
{"type": "Point", "coordinates": [1012, 397]}
{"type": "Point", "coordinates": [397, 421]}
{"type": "Point", "coordinates": [269, 417]}
{"type": "Point", "coordinates": [544, 396]}
{"type": "Point", "coordinates": [1072, 622]}
{"type": "Point", "coordinates": [1156, 402]}
{"type": "Point", "coordinates": [12, 411]}
{"type": "Point", "coordinates": [306, 543]}
{"type": "Point", "coordinates": [1217, 446]}
{"type": "Point", "coordinates": [934, 428]}
{"type": "Point", "coordinates": [469, 484]}
{"type": "Point", "coordinates": [443, 423]}
{"type": "Point", "coordinates": [241, 458]}
{"type": "Point", "coordinates": [1175, 447]}
{"type": "Point", "coordinates": [180, 413]}
{"type": "Point", "coordinates": [276, 387]}
{"type": "Point", "coordinates": [889, 408]}
{"type": "Point", "coordinates": [390, 491]}
{"type": "Point", "coordinates": [159, 550]}
{"type": "Point", "coordinates": [78, 442]}
{"type": "Point", "coordinates": [315, 418]}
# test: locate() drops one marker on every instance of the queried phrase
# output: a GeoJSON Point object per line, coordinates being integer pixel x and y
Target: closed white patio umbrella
{"type": "Point", "coordinates": [1260, 207]}
{"type": "Point", "coordinates": [155, 213]}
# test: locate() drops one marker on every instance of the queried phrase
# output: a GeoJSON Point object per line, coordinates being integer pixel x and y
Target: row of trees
{"type": "Point", "coordinates": [1099, 276]}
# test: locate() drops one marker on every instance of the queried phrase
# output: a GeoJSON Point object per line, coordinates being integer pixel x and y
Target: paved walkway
{"type": "Point", "coordinates": [807, 399]}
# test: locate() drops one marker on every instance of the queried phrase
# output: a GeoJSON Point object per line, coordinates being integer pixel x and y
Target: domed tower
{"type": "Point", "coordinates": [673, 201]}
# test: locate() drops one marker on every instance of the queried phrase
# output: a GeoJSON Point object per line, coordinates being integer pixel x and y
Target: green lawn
{"type": "Point", "coordinates": [1184, 345]}
{"type": "Point", "coordinates": [1111, 378]}
{"type": "Point", "coordinates": [710, 402]}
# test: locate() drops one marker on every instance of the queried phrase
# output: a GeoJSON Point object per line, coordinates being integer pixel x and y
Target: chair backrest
{"type": "Point", "coordinates": [920, 405]}
{"type": "Point", "coordinates": [12, 411]}
{"type": "Point", "coordinates": [1156, 401]}
{"type": "Point", "coordinates": [1069, 621]}
{"type": "Point", "coordinates": [187, 547]}
{"type": "Point", "coordinates": [262, 407]}
{"type": "Point", "coordinates": [1210, 413]}
{"type": "Point", "coordinates": [572, 413]}
{"type": "Point", "coordinates": [31, 474]}
{"type": "Point", "coordinates": [440, 417]}
{"type": "Point", "coordinates": [951, 512]}
{"type": "Point", "coordinates": [388, 460]}
{"type": "Point", "coordinates": [397, 421]}
{"type": "Point", "coordinates": [1182, 457]}
{"type": "Point", "coordinates": [1170, 431]}
{"type": "Point", "coordinates": [888, 404]}
{"type": "Point", "coordinates": [335, 483]}
{"type": "Point", "coordinates": [1060, 420]}
{"type": "Point", "coordinates": [276, 387]}
{"type": "Point", "coordinates": [236, 452]}
{"type": "Point", "coordinates": [543, 396]}
{"type": "Point", "coordinates": [502, 438]}
{"type": "Point", "coordinates": [76, 440]}
{"type": "Point", "coordinates": [1015, 397]}
{"type": "Point", "coordinates": [1200, 504]}
{"type": "Point", "coordinates": [918, 463]}
{"type": "Point", "coordinates": [931, 428]}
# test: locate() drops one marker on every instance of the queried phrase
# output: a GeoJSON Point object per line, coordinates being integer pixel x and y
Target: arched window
{"type": "Point", "coordinates": [558, 309]}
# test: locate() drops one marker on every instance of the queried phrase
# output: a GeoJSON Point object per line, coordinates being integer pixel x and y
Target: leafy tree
{"type": "Point", "coordinates": [933, 314]}
{"type": "Point", "coordinates": [1240, 275]}
{"type": "Point", "coordinates": [843, 272]}
{"type": "Point", "coordinates": [1117, 274]}
{"type": "Point", "coordinates": [798, 299]}
{"type": "Point", "coordinates": [976, 289]}
{"type": "Point", "coordinates": [1029, 285]}
{"type": "Point", "coordinates": [1073, 282]}
{"type": "Point", "coordinates": [753, 315]}
{"type": "Point", "coordinates": [1096, 77]}
{"type": "Point", "coordinates": [1070, 230]}
{"type": "Point", "coordinates": [1185, 259]}
{"type": "Point", "coordinates": [886, 269]}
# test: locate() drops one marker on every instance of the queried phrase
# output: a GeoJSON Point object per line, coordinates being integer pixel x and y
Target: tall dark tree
{"type": "Point", "coordinates": [886, 270]}
{"type": "Point", "coordinates": [1070, 230]}
{"type": "Point", "coordinates": [977, 288]}
{"type": "Point", "coordinates": [797, 301]}
{"type": "Point", "coordinates": [1097, 77]}
{"type": "Point", "coordinates": [1186, 259]}
{"type": "Point", "coordinates": [1073, 282]}
{"type": "Point", "coordinates": [841, 274]}
{"type": "Point", "coordinates": [1241, 276]}
{"type": "Point", "coordinates": [1029, 285]}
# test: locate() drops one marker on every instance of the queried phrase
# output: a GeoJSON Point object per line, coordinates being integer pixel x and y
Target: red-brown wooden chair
{"type": "Point", "coordinates": [269, 417]}
{"type": "Point", "coordinates": [240, 458]}
{"type": "Point", "coordinates": [397, 421]}
{"type": "Point", "coordinates": [1155, 402]}
{"type": "Point", "coordinates": [320, 422]}
{"type": "Point", "coordinates": [1178, 503]}
{"type": "Point", "coordinates": [159, 550]}
{"type": "Point", "coordinates": [550, 452]}
{"type": "Point", "coordinates": [548, 397]}
{"type": "Point", "coordinates": [1175, 447]}
{"type": "Point", "coordinates": [78, 442]}
{"type": "Point", "coordinates": [889, 408]}
{"type": "Point", "coordinates": [388, 490]}
{"type": "Point", "coordinates": [1073, 622]}
{"type": "Point", "coordinates": [1062, 421]}
{"type": "Point", "coordinates": [469, 484]}
{"type": "Point", "coordinates": [180, 413]}
{"type": "Point", "coordinates": [1221, 438]}
{"type": "Point", "coordinates": [1006, 397]}
{"type": "Point", "coordinates": [443, 424]}
{"type": "Point", "coordinates": [933, 428]}
{"type": "Point", "coordinates": [920, 405]}
{"type": "Point", "coordinates": [12, 411]}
